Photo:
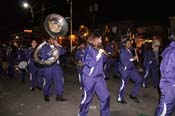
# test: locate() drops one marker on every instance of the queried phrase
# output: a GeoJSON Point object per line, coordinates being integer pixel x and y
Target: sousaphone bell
{"type": "Point", "coordinates": [55, 25]}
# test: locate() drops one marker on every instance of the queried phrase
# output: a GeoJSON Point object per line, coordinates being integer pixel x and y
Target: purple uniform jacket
{"type": "Point", "coordinates": [44, 52]}
{"type": "Point", "coordinates": [29, 56]}
{"type": "Point", "coordinates": [29, 53]}
{"type": "Point", "coordinates": [167, 66]}
{"type": "Point", "coordinates": [21, 55]}
{"type": "Point", "coordinates": [47, 48]}
{"type": "Point", "coordinates": [149, 56]}
{"type": "Point", "coordinates": [92, 63]}
{"type": "Point", "coordinates": [61, 50]}
{"type": "Point", "coordinates": [125, 57]}
{"type": "Point", "coordinates": [109, 49]}
{"type": "Point", "coordinates": [79, 54]}
{"type": "Point", "coordinates": [57, 65]}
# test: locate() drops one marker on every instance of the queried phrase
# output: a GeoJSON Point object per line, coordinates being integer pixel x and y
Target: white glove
{"type": "Point", "coordinates": [101, 51]}
{"type": "Point", "coordinates": [150, 62]}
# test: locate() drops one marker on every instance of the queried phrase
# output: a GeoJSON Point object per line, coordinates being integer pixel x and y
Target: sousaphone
{"type": "Point", "coordinates": [55, 25]}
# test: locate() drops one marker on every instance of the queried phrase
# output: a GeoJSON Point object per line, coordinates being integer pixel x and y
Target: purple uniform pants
{"type": "Point", "coordinates": [90, 87]}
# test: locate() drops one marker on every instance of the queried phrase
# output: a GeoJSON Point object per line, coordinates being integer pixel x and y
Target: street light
{"type": "Point", "coordinates": [27, 5]}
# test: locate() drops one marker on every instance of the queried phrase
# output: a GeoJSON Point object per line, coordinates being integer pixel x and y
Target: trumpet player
{"type": "Point", "coordinates": [128, 71]}
{"type": "Point", "coordinates": [93, 76]}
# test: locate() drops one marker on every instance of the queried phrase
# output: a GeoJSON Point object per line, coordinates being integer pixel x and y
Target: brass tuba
{"type": "Point", "coordinates": [55, 25]}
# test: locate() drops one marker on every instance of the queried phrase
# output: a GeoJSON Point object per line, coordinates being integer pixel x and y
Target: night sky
{"type": "Point", "coordinates": [14, 18]}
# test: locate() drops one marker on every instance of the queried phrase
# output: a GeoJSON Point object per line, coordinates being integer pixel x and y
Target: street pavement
{"type": "Point", "coordinates": [17, 100]}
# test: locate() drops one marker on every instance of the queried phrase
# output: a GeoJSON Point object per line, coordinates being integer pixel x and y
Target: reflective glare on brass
{"type": "Point", "coordinates": [54, 27]}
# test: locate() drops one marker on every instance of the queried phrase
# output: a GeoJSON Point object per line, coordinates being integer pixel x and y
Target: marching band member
{"type": "Point", "coordinates": [12, 59]}
{"type": "Point", "coordinates": [53, 72]}
{"type": "Point", "coordinates": [115, 56]}
{"type": "Point", "coordinates": [21, 63]}
{"type": "Point", "coordinates": [78, 59]}
{"type": "Point", "coordinates": [35, 79]}
{"type": "Point", "coordinates": [47, 72]}
{"type": "Point", "coordinates": [150, 65]}
{"type": "Point", "coordinates": [57, 72]}
{"type": "Point", "coordinates": [109, 49]}
{"type": "Point", "coordinates": [93, 77]}
{"type": "Point", "coordinates": [167, 82]}
{"type": "Point", "coordinates": [113, 59]}
{"type": "Point", "coordinates": [128, 71]}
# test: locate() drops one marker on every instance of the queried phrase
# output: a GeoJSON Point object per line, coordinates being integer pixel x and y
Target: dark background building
{"type": "Point", "coordinates": [14, 18]}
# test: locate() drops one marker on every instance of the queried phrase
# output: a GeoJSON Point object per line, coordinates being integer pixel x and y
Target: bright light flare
{"type": "Point", "coordinates": [25, 5]}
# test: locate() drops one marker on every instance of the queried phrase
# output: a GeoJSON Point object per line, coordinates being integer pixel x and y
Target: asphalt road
{"type": "Point", "coordinates": [17, 100]}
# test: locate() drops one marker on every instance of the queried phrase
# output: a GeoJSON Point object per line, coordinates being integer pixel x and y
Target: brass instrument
{"type": "Point", "coordinates": [55, 25]}
{"type": "Point", "coordinates": [74, 60]}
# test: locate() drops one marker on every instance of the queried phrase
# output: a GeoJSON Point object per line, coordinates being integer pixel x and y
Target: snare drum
{"type": "Point", "coordinates": [22, 65]}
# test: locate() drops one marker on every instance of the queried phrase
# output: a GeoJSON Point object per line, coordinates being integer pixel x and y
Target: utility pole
{"type": "Point", "coordinates": [71, 22]}
{"type": "Point", "coordinates": [70, 3]}
{"type": "Point", "coordinates": [42, 17]}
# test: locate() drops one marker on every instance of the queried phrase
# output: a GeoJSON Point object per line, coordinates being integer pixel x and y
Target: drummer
{"type": "Point", "coordinates": [22, 63]}
{"type": "Point", "coordinates": [36, 79]}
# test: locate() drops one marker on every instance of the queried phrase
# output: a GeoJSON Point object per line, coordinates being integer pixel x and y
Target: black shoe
{"type": "Point", "coordinates": [145, 86]}
{"type": "Point", "coordinates": [46, 98]}
{"type": "Point", "coordinates": [135, 99]}
{"type": "Point", "coordinates": [32, 89]}
{"type": "Point", "coordinates": [57, 98]}
{"type": "Point", "coordinates": [116, 77]}
{"type": "Point", "coordinates": [122, 102]}
{"type": "Point", "coordinates": [106, 78]}
{"type": "Point", "coordinates": [22, 81]}
{"type": "Point", "coordinates": [39, 88]}
{"type": "Point", "coordinates": [156, 86]}
{"type": "Point", "coordinates": [60, 98]}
